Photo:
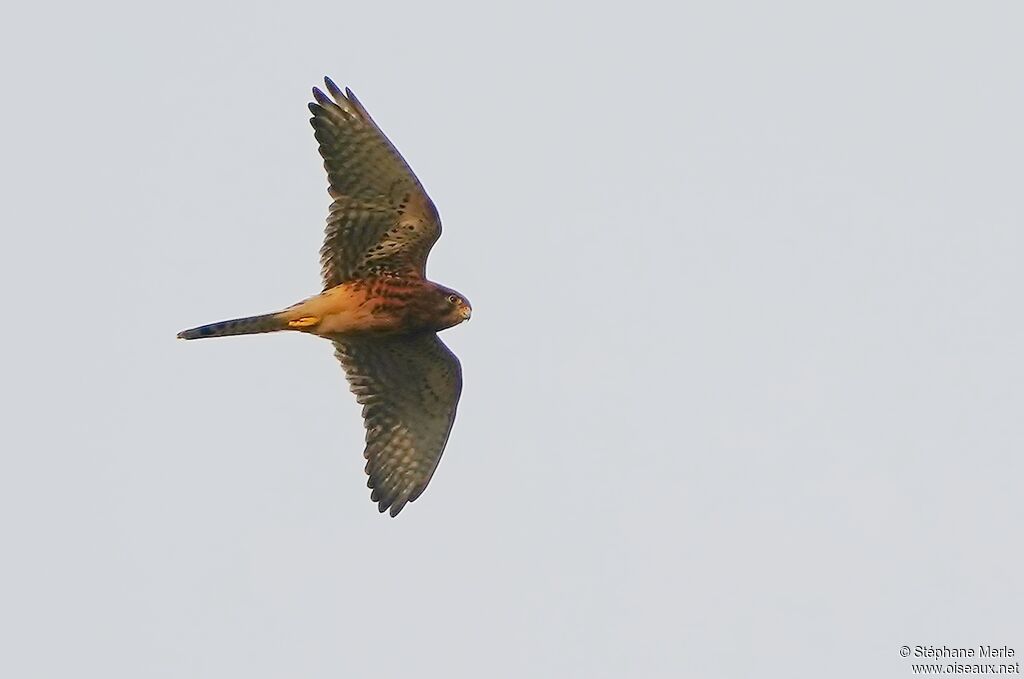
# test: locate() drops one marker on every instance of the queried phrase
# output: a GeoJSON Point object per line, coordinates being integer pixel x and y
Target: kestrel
{"type": "Point", "coordinates": [377, 306]}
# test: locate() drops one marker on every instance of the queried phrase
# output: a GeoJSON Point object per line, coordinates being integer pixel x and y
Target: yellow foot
{"type": "Point", "coordinates": [303, 322]}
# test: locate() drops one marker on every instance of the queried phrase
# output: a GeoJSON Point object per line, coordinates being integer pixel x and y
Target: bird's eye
{"type": "Point", "coordinates": [453, 299]}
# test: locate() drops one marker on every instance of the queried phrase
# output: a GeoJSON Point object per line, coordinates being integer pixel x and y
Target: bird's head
{"type": "Point", "coordinates": [453, 308]}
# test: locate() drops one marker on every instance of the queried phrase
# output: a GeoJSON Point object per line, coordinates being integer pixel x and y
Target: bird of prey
{"type": "Point", "coordinates": [377, 306]}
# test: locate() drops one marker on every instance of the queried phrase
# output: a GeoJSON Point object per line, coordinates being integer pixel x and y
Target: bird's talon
{"type": "Point", "coordinates": [304, 322]}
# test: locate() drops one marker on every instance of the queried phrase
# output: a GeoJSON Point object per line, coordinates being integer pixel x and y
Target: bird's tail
{"type": "Point", "coordinates": [238, 326]}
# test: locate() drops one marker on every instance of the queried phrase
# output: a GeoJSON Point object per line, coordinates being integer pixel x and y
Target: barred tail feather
{"type": "Point", "coordinates": [237, 326]}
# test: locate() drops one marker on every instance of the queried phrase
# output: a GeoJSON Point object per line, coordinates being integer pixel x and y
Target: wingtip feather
{"type": "Point", "coordinates": [332, 88]}
{"type": "Point", "coordinates": [320, 97]}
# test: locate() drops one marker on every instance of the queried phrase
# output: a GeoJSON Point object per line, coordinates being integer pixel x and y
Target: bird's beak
{"type": "Point", "coordinates": [466, 313]}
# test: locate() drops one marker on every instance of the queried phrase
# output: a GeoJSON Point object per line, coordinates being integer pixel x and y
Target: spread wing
{"type": "Point", "coordinates": [409, 386]}
{"type": "Point", "coordinates": [382, 221]}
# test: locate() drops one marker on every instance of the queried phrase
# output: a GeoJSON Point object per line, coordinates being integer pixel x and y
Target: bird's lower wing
{"type": "Point", "coordinates": [409, 387]}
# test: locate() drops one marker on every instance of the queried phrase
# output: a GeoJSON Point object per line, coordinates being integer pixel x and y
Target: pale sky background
{"type": "Point", "coordinates": [743, 385]}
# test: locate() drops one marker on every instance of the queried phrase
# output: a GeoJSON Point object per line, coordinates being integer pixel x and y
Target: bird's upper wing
{"type": "Point", "coordinates": [409, 386]}
{"type": "Point", "coordinates": [381, 221]}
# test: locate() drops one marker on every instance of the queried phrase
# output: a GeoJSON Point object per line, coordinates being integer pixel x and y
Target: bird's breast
{"type": "Point", "coordinates": [383, 306]}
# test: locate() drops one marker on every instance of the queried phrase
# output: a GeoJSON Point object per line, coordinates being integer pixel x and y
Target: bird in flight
{"type": "Point", "coordinates": [377, 306]}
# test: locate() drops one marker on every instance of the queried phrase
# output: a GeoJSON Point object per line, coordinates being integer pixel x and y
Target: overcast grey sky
{"type": "Point", "coordinates": [743, 385]}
